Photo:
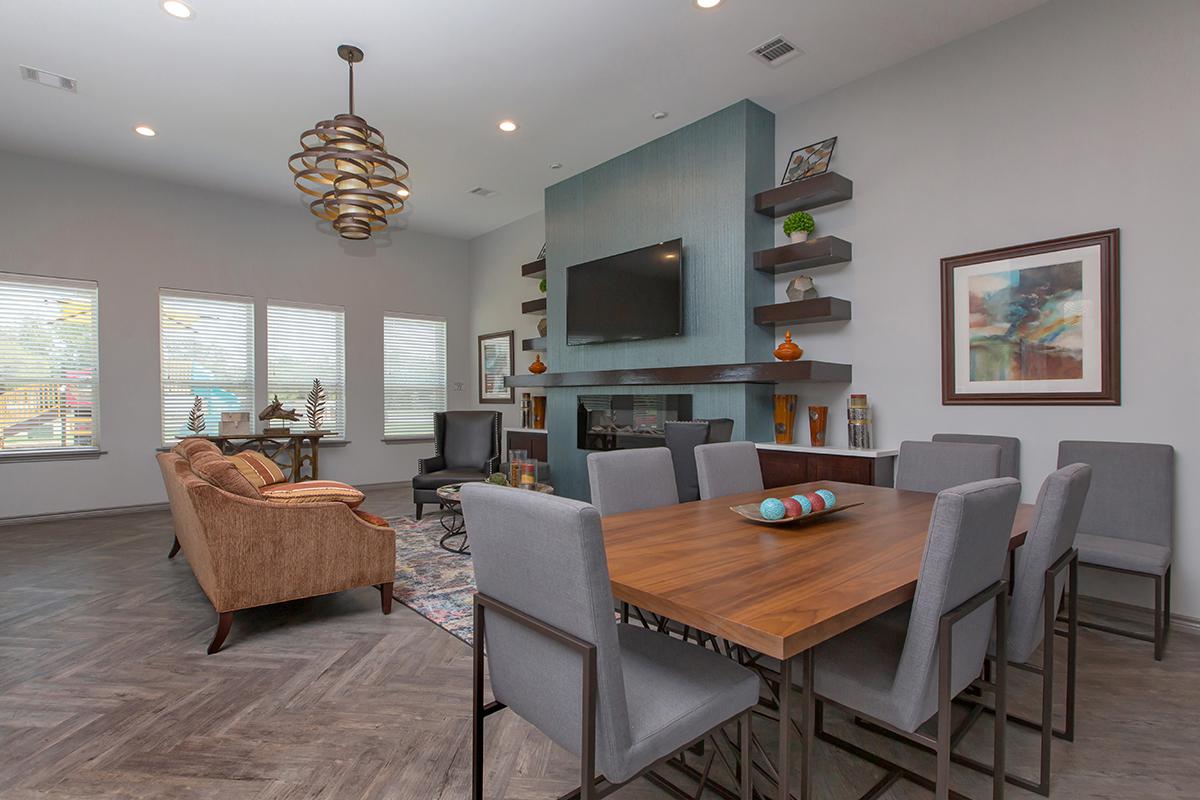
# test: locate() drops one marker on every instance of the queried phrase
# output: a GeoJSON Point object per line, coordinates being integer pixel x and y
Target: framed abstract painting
{"type": "Point", "coordinates": [1036, 324]}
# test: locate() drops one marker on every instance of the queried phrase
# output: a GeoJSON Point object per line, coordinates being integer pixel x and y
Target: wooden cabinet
{"type": "Point", "coordinates": [786, 467]}
{"type": "Point", "coordinates": [533, 442]}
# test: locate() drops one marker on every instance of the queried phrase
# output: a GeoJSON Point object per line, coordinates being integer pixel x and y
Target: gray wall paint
{"type": "Point", "coordinates": [1077, 116]}
{"type": "Point", "coordinates": [696, 183]}
{"type": "Point", "coordinates": [135, 235]}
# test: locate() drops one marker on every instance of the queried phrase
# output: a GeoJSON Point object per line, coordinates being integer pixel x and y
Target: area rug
{"type": "Point", "coordinates": [435, 583]}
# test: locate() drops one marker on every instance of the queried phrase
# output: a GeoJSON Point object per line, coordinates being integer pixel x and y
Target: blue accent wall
{"type": "Point", "coordinates": [697, 183]}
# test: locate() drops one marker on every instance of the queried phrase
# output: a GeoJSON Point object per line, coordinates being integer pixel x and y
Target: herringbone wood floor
{"type": "Point", "coordinates": [105, 691]}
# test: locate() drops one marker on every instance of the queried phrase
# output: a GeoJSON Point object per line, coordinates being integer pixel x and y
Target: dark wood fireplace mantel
{"type": "Point", "coordinates": [766, 372]}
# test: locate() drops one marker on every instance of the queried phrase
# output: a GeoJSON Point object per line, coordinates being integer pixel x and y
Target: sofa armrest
{"type": "Point", "coordinates": [266, 552]}
{"type": "Point", "coordinates": [431, 464]}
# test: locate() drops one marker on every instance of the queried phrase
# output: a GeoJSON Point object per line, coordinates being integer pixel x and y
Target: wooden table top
{"type": "Point", "coordinates": [776, 589]}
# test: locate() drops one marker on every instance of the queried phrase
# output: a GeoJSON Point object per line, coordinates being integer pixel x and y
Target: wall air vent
{"type": "Point", "coordinates": [47, 78]}
{"type": "Point", "coordinates": [776, 51]}
{"type": "Point", "coordinates": [479, 191]}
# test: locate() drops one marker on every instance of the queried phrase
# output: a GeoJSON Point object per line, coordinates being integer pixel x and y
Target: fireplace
{"type": "Point", "coordinates": [626, 421]}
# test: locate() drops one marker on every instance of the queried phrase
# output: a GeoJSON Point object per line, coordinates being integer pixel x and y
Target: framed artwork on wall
{"type": "Point", "coordinates": [496, 362]}
{"type": "Point", "coordinates": [1035, 324]}
{"type": "Point", "coordinates": [809, 161]}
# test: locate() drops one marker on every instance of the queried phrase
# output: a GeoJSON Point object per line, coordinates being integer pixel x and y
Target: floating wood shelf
{"type": "Point", "coordinates": [534, 306]}
{"type": "Point", "coordinates": [767, 372]}
{"type": "Point", "coordinates": [534, 269]}
{"type": "Point", "coordinates": [807, 194]}
{"type": "Point", "coordinates": [802, 312]}
{"type": "Point", "coordinates": [537, 343]}
{"type": "Point", "coordinates": [819, 252]}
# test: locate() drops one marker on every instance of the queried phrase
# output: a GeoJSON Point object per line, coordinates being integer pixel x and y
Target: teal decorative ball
{"type": "Point", "coordinates": [772, 509]}
{"type": "Point", "coordinates": [805, 504]}
{"type": "Point", "coordinates": [829, 497]}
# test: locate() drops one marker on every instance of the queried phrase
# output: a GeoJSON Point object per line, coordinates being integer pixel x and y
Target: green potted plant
{"type": "Point", "coordinates": [798, 226]}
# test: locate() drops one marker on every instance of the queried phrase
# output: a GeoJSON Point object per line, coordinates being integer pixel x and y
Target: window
{"type": "Point", "coordinates": [207, 351]}
{"type": "Point", "coordinates": [414, 375]}
{"type": "Point", "coordinates": [49, 364]}
{"type": "Point", "coordinates": [306, 342]}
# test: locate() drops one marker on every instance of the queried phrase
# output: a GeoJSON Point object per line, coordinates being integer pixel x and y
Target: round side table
{"type": "Point", "coordinates": [452, 517]}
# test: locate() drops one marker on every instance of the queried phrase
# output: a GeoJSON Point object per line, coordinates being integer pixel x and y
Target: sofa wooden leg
{"type": "Point", "coordinates": [224, 623]}
{"type": "Point", "coordinates": [174, 548]}
{"type": "Point", "coordinates": [419, 510]}
{"type": "Point", "coordinates": [385, 595]}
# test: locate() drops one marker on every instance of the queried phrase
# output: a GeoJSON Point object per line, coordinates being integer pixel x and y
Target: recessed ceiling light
{"type": "Point", "coordinates": [707, 3]}
{"type": "Point", "coordinates": [177, 9]}
{"type": "Point", "coordinates": [507, 125]}
{"type": "Point", "coordinates": [659, 115]}
{"type": "Point", "coordinates": [555, 165]}
{"type": "Point", "coordinates": [144, 130]}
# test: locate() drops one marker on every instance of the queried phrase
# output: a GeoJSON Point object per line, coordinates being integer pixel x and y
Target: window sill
{"type": "Point", "coordinates": [51, 455]}
{"type": "Point", "coordinates": [407, 440]}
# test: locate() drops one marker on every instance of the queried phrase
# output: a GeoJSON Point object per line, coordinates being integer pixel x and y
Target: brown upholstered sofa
{"type": "Point", "coordinates": [247, 552]}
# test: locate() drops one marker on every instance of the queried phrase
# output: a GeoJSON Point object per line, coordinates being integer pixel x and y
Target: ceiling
{"type": "Point", "coordinates": [230, 90]}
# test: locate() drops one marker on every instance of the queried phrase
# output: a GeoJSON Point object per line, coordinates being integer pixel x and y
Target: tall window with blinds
{"type": "Point", "coordinates": [49, 364]}
{"type": "Point", "coordinates": [206, 350]}
{"type": "Point", "coordinates": [306, 342]}
{"type": "Point", "coordinates": [414, 375]}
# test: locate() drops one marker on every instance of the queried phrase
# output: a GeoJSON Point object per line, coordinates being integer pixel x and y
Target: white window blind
{"type": "Point", "coordinates": [306, 342]}
{"type": "Point", "coordinates": [207, 351]}
{"type": "Point", "coordinates": [414, 374]}
{"type": "Point", "coordinates": [49, 364]}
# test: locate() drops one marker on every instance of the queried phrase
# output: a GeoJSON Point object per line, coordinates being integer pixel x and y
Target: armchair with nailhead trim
{"type": "Point", "coordinates": [467, 447]}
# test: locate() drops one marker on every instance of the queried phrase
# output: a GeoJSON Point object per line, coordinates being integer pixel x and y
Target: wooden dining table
{"type": "Point", "coordinates": [778, 590]}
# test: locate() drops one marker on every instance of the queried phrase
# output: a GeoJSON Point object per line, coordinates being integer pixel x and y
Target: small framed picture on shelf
{"type": "Point", "coordinates": [809, 161]}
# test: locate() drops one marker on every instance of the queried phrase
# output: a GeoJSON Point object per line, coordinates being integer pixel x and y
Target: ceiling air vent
{"type": "Point", "coordinates": [47, 78]}
{"type": "Point", "coordinates": [776, 51]}
{"type": "Point", "coordinates": [479, 191]}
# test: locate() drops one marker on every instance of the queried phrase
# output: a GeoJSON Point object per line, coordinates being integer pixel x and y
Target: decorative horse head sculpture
{"type": "Point", "coordinates": [275, 410]}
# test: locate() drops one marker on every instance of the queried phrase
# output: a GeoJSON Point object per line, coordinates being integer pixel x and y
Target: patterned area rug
{"type": "Point", "coordinates": [431, 581]}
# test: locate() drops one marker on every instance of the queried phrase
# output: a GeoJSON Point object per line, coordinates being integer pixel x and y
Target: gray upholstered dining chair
{"type": "Point", "coordinates": [933, 466]}
{"type": "Point", "coordinates": [728, 468]}
{"type": "Point", "coordinates": [682, 440]}
{"type": "Point", "coordinates": [630, 480]}
{"type": "Point", "coordinates": [900, 669]}
{"type": "Point", "coordinates": [1010, 449]}
{"type": "Point", "coordinates": [1128, 522]}
{"type": "Point", "coordinates": [622, 698]}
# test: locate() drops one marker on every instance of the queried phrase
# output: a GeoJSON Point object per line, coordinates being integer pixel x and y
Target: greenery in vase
{"type": "Point", "coordinates": [798, 221]}
{"type": "Point", "coordinates": [542, 285]}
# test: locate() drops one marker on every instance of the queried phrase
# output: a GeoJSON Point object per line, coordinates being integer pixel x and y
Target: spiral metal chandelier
{"type": "Point", "coordinates": [345, 166]}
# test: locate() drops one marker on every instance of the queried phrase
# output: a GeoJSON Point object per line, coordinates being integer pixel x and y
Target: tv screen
{"type": "Point", "coordinates": [634, 295]}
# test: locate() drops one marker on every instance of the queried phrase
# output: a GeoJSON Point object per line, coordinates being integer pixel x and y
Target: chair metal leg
{"type": "Point", "coordinates": [785, 726]}
{"type": "Point", "coordinates": [477, 707]}
{"type": "Point", "coordinates": [998, 745]}
{"type": "Point", "coordinates": [945, 709]}
{"type": "Point", "coordinates": [1072, 644]}
{"type": "Point", "coordinates": [747, 760]}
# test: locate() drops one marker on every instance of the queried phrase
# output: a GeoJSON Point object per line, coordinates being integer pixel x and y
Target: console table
{"type": "Point", "coordinates": [293, 452]}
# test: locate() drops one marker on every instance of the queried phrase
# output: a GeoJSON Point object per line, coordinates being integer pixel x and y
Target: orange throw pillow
{"type": "Point", "coordinates": [313, 492]}
{"type": "Point", "coordinates": [371, 519]}
{"type": "Point", "coordinates": [216, 469]}
{"type": "Point", "coordinates": [258, 469]}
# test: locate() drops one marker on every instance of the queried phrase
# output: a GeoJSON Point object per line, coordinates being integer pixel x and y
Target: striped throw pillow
{"type": "Point", "coordinates": [258, 469]}
{"type": "Point", "coordinates": [313, 492]}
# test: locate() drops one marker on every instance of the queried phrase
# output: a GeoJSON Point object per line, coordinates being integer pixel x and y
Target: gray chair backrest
{"type": "Point", "coordinates": [682, 439]}
{"type": "Point", "coordinates": [544, 556]}
{"type": "Point", "coordinates": [467, 439]}
{"type": "Point", "coordinates": [1010, 449]}
{"type": "Point", "coordinates": [1133, 489]}
{"type": "Point", "coordinates": [1052, 533]}
{"type": "Point", "coordinates": [719, 430]}
{"type": "Point", "coordinates": [728, 468]}
{"type": "Point", "coordinates": [965, 553]}
{"type": "Point", "coordinates": [630, 480]}
{"type": "Point", "coordinates": [934, 466]}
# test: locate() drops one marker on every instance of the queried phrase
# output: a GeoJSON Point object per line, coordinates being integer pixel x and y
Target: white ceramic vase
{"type": "Point", "coordinates": [799, 236]}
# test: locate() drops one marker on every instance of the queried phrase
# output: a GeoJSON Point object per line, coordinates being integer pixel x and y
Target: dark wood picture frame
{"type": "Point", "coordinates": [1110, 323]}
{"type": "Point", "coordinates": [512, 366]}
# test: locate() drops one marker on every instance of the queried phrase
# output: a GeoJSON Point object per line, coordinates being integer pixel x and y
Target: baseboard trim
{"type": "Point", "coordinates": [1178, 621]}
{"type": "Point", "coordinates": [92, 512]}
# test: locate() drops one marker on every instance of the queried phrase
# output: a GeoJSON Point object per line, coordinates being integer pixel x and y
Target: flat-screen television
{"type": "Point", "coordinates": [634, 295]}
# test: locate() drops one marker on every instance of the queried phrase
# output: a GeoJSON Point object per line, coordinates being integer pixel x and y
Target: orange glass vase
{"type": "Point", "coordinates": [538, 366]}
{"type": "Point", "coordinates": [818, 418]}
{"type": "Point", "coordinates": [785, 418]}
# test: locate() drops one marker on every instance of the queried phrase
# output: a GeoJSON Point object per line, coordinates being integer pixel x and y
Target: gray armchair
{"type": "Point", "coordinates": [934, 466]}
{"type": "Point", "coordinates": [467, 446]}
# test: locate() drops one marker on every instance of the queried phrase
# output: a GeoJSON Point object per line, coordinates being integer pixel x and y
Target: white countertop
{"type": "Point", "coordinates": [524, 430]}
{"type": "Point", "coordinates": [829, 451]}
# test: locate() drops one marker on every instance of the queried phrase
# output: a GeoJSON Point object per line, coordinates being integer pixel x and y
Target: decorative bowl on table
{"type": "Point", "coordinates": [792, 510]}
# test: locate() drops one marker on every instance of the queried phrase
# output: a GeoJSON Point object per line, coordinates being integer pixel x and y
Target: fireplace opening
{"type": "Point", "coordinates": [626, 421]}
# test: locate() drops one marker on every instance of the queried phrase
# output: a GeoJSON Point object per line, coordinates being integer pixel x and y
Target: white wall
{"type": "Point", "coordinates": [134, 235]}
{"type": "Point", "coordinates": [1078, 116]}
{"type": "Point", "coordinates": [497, 291]}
